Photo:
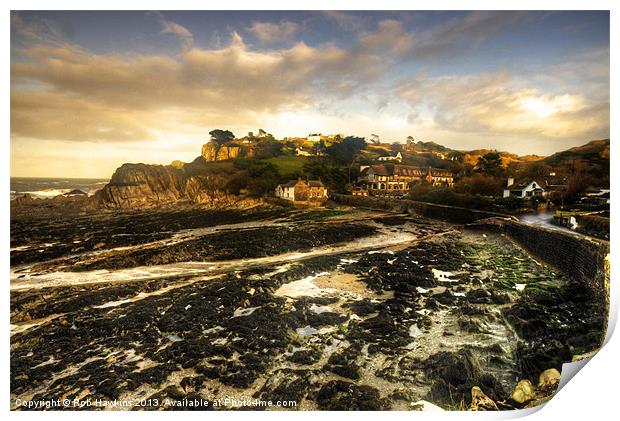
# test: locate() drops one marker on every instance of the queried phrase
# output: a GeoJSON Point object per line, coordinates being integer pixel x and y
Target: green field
{"type": "Point", "coordinates": [288, 165]}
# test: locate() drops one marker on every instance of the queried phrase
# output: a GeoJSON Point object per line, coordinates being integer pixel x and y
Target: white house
{"type": "Point", "coordinates": [287, 190]}
{"type": "Point", "coordinates": [302, 152]}
{"type": "Point", "coordinates": [314, 137]}
{"type": "Point", "coordinates": [398, 157]}
{"type": "Point", "coordinates": [524, 189]}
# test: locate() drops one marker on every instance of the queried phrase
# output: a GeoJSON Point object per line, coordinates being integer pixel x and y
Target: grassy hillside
{"type": "Point", "coordinates": [594, 151]}
{"type": "Point", "coordinates": [288, 165]}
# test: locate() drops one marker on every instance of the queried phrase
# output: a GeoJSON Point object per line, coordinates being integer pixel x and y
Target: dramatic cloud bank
{"type": "Point", "coordinates": [364, 74]}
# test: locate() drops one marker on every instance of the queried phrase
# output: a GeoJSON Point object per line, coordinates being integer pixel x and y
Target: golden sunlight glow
{"type": "Point", "coordinates": [544, 106]}
{"type": "Point", "coordinates": [538, 106]}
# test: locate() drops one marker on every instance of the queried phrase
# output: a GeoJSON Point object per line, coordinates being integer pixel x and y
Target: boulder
{"type": "Point", "coordinates": [26, 198]}
{"type": "Point", "coordinates": [480, 401]}
{"type": "Point", "coordinates": [75, 192]}
{"type": "Point", "coordinates": [549, 379]}
{"type": "Point", "coordinates": [524, 391]}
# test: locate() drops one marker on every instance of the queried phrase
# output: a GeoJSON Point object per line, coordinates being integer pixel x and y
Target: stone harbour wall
{"type": "Point", "coordinates": [582, 259]}
{"type": "Point", "coordinates": [454, 214]}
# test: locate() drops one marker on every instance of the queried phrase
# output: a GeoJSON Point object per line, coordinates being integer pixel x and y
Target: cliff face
{"type": "Point", "coordinates": [213, 152]}
{"type": "Point", "coordinates": [143, 186]}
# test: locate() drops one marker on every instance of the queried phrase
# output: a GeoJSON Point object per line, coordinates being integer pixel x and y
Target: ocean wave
{"type": "Point", "coordinates": [46, 193]}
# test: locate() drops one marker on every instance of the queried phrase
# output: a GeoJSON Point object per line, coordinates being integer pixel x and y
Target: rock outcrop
{"type": "Point", "coordinates": [213, 151]}
{"type": "Point", "coordinates": [143, 186]}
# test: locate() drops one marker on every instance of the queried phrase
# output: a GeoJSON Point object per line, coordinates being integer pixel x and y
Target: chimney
{"type": "Point", "coordinates": [510, 181]}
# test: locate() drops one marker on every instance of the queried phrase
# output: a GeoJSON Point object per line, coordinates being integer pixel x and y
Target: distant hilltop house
{"type": "Point", "coordinates": [398, 157]}
{"type": "Point", "coordinates": [314, 137]}
{"type": "Point", "coordinates": [396, 178]}
{"type": "Point", "coordinates": [524, 189]}
{"type": "Point", "coordinates": [300, 191]}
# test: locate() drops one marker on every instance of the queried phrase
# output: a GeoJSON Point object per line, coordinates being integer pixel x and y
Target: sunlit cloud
{"type": "Point", "coordinates": [368, 75]}
{"type": "Point", "coordinates": [269, 32]}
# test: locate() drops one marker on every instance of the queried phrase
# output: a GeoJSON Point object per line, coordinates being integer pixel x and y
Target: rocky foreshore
{"type": "Point", "coordinates": [335, 309]}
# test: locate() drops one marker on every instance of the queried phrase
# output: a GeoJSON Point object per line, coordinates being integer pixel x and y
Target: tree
{"type": "Point", "coordinates": [221, 137]}
{"type": "Point", "coordinates": [375, 138]}
{"type": "Point", "coordinates": [258, 177]}
{"type": "Point", "coordinates": [490, 163]}
{"type": "Point", "coordinates": [479, 184]}
{"type": "Point", "coordinates": [335, 178]}
{"type": "Point", "coordinates": [267, 149]}
{"type": "Point", "coordinates": [346, 151]}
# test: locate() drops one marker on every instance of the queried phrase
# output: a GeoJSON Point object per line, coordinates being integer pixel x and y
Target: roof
{"type": "Point", "coordinates": [407, 171]}
{"type": "Point", "coordinates": [290, 183]}
{"type": "Point", "coordinates": [523, 184]}
{"type": "Point", "coordinates": [311, 183]}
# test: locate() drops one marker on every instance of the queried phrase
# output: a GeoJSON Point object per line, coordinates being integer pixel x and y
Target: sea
{"type": "Point", "coordinates": [46, 188]}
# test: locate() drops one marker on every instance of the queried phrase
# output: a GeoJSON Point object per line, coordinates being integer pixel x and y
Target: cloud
{"type": "Point", "coordinates": [459, 35]}
{"type": "Point", "coordinates": [347, 21]}
{"type": "Point", "coordinates": [62, 91]}
{"type": "Point", "coordinates": [186, 37]}
{"type": "Point", "coordinates": [498, 104]}
{"type": "Point", "coordinates": [390, 37]}
{"type": "Point", "coordinates": [59, 116]}
{"type": "Point", "coordinates": [35, 29]}
{"type": "Point", "coordinates": [269, 32]}
{"type": "Point", "coordinates": [119, 97]}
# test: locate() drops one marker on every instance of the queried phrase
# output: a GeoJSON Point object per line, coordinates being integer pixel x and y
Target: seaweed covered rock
{"type": "Point", "coordinates": [345, 396]}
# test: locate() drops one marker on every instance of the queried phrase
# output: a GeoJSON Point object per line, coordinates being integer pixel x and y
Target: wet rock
{"type": "Point", "coordinates": [362, 307]}
{"type": "Point", "coordinates": [473, 325]}
{"type": "Point", "coordinates": [287, 385]}
{"type": "Point", "coordinates": [538, 355]}
{"type": "Point", "coordinates": [345, 396]}
{"type": "Point", "coordinates": [305, 356]}
{"type": "Point", "coordinates": [238, 244]}
{"type": "Point", "coordinates": [453, 374]}
{"type": "Point", "coordinates": [480, 401]}
{"type": "Point", "coordinates": [343, 364]}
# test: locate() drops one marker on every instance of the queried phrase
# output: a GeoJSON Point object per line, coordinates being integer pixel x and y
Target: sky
{"type": "Point", "coordinates": [93, 90]}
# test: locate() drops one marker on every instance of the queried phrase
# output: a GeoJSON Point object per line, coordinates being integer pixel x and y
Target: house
{"type": "Point", "coordinates": [302, 152]}
{"type": "Point", "coordinates": [398, 179]}
{"type": "Point", "coordinates": [398, 157]}
{"type": "Point", "coordinates": [301, 191]}
{"type": "Point", "coordinates": [524, 189]}
{"type": "Point", "coordinates": [314, 137]}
